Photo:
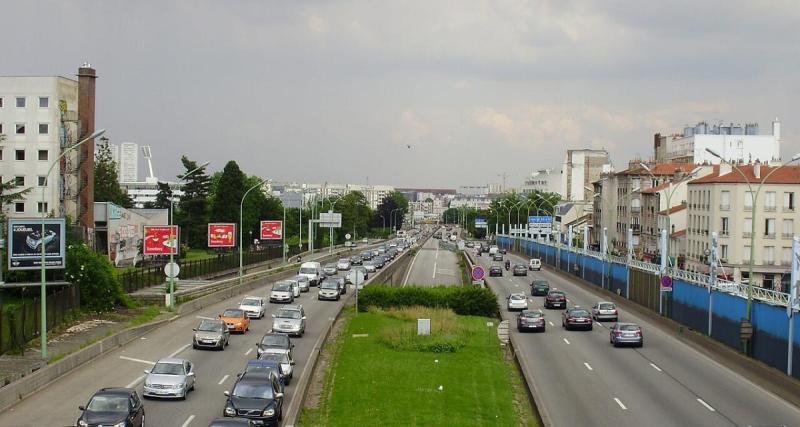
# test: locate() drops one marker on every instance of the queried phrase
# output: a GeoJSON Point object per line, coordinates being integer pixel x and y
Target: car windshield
{"type": "Point", "coordinates": [301, 278]}
{"type": "Point", "coordinates": [254, 390]}
{"type": "Point", "coordinates": [275, 341]}
{"type": "Point", "coordinates": [288, 314]}
{"type": "Point", "coordinates": [167, 369]}
{"type": "Point", "coordinates": [606, 306]}
{"type": "Point", "coordinates": [308, 270]}
{"type": "Point", "coordinates": [277, 357]}
{"type": "Point", "coordinates": [628, 327]}
{"type": "Point", "coordinates": [251, 301]}
{"type": "Point", "coordinates": [231, 312]}
{"type": "Point", "coordinates": [330, 266]}
{"type": "Point", "coordinates": [109, 404]}
{"type": "Point", "coordinates": [579, 313]}
{"type": "Point", "coordinates": [519, 266]}
{"type": "Point", "coordinates": [329, 285]}
{"type": "Point", "coordinates": [345, 260]}
{"type": "Point", "coordinates": [282, 286]}
{"type": "Point", "coordinates": [532, 314]}
{"type": "Point", "coordinates": [207, 326]}
{"type": "Point", "coordinates": [556, 294]}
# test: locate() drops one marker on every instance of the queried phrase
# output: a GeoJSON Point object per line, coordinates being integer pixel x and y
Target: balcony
{"type": "Point", "coordinates": [770, 209]}
{"type": "Point", "coordinates": [786, 235]}
{"type": "Point", "coordinates": [724, 207]}
{"type": "Point", "coordinates": [786, 263]}
{"type": "Point", "coordinates": [769, 235]}
{"type": "Point", "coordinates": [724, 233]}
{"type": "Point", "coordinates": [636, 210]}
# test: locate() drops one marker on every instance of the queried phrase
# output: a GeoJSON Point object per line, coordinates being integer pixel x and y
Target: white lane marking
{"type": "Point", "coordinates": [175, 353]}
{"type": "Point", "coordinates": [655, 367]}
{"type": "Point", "coordinates": [551, 323]}
{"type": "Point", "coordinates": [136, 381]}
{"type": "Point", "coordinates": [223, 380]}
{"type": "Point", "coordinates": [589, 367]}
{"type": "Point", "coordinates": [205, 318]}
{"type": "Point", "coordinates": [248, 352]}
{"type": "Point", "coordinates": [619, 402]}
{"type": "Point", "coordinates": [437, 252]}
{"type": "Point", "coordinates": [188, 420]}
{"type": "Point", "coordinates": [566, 340]}
{"type": "Point", "coordinates": [410, 267]}
{"type": "Point", "coordinates": [434, 270]}
{"type": "Point", "coordinates": [706, 405]}
{"type": "Point", "coordinates": [146, 362]}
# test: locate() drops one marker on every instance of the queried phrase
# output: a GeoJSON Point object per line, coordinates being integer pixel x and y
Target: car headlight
{"type": "Point", "coordinates": [269, 412]}
{"type": "Point", "coordinates": [82, 423]}
{"type": "Point", "coordinates": [218, 338]}
{"type": "Point", "coordinates": [239, 323]}
{"type": "Point", "coordinates": [122, 424]}
{"type": "Point", "coordinates": [230, 411]}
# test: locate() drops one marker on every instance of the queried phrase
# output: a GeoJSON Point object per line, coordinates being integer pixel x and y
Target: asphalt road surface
{"type": "Point", "coordinates": [433, 266]}
{"type": "Point", "coordinates": [586, 381]}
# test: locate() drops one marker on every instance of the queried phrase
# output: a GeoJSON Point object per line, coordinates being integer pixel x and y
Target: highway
{"type": "Point", "coordinates": [433, 266]}
{"type": "Point", "coordinates": [57, 404]}
{"type": "Point", "coordinates": [585, 381]}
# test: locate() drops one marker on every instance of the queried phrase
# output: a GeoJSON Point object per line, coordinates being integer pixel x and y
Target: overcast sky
{"type": "Point", "coordinates": [336, 91]}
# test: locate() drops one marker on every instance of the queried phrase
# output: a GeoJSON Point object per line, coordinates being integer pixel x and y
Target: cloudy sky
{"type": "Point", "coordinates": [338, 90]}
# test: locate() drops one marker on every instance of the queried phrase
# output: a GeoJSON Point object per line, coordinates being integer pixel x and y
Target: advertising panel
{"type": "Point", "coordinates": [330, 219]}
{"type": "Point", "coordinates": [160, 240]}
{"type": "Point", "coordinates": [25, 242]}
{"type": "Point", "coordinates": [221, 235]}
{"type": "Point", "coordinates": [271, 230]}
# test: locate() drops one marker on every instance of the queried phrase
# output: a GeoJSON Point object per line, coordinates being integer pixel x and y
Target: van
{"type": "Point", "coordinates": [535, 264]}
{"type": "Point", "coordinates": [313, 271]}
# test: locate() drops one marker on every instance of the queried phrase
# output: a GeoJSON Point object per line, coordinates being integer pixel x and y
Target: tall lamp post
{"type": "Point", "coordinates": [392, 220]}
{"type": "Point", "coordinates": [330, 229]}
{"type": "Point", "coordinates": [241, 227]}
{"type": "Point", "coordinates": [43, 296]}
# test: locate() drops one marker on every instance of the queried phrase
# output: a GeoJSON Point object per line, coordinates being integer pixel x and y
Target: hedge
{"type": "Point", "coordinates": [464, 300]}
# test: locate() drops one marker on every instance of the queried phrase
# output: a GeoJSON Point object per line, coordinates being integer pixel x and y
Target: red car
{"type": "Point", "coordinates": [576, 317]}
{"type": "Point", "coordinates": [555, 299]}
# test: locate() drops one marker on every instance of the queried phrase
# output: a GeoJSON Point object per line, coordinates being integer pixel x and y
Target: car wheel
{"type": "Point", "coordinates": [319, 299]}
{"type": "Point", "coordinates": [194, 346]}
{"type": "Point", "coordinates": [184, 395]}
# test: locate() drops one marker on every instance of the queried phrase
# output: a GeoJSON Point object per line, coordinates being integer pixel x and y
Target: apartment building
{"type": "Point", "coordinates": [546, 180]}
{"type": "Point", "coordinates": [733, 142]}
{"type": "Point", "coordinates": [580, 169]}
{"type": "Point", "coordinates": [721, 202]}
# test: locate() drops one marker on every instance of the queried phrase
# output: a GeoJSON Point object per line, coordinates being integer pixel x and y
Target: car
{"type": "Point", "coordinates": [289, 321]}
{"type": "Point", "coordinates": [236, 320]}
{"type": "Point", "coordinates": [363, 271]}
{"type": "Point", "coordinates": [112, 407]}
{"type": "Point", "coordinates": [520, 270]}
{"type": "Point", "coordinates": [232, 422]}
{"type": "Point", "coordinates": [539, 287]}
{"type": "Point", "coordinates": [253, 307]}
{"type": "Point", "coordinates": [530, 320]}
{"type": "Point", "coordinates": [379, 262]}
{"type": "Point", "coordinates": [169, 377]}
{"type": "Point", "coordinates": [495, 270]}
{"type": "Point", "coordinates": [257, 398]}
{"type": "Point", "coordinates": [282, 291]}
{"type": "Point", "coordinates": [295, 288]}
{"type": "Point", "coordinates": [329, 290]}
{"type": "Point", "coordinates": [305, 285]}
{"type": "Point", "coordinates": [266, 368]}
{"type": "Point", "coordinates": [286, 363]}
{"type": "Point", "coordinates": [555, 299]}
{"type": "Point", "coordinates": [626, 333]}
{"type": "Point", "coordinates": [274, 342]}
{"type": "Point", "coordinates": [517, 301]}
{"type": "Point", "coordinates": [330, 269]}
{"type": "Point", "coordinates": [211, 333]}
{"type": "Point", "coordinates": [365, 241]}
{"type": "Point", "coordinates": [503, 251]}
{"type": "Point", "coordinates": [576, 317]}
{"type": "Point", "coordinates": [497, 256]}
{"type": "Point", "coordinates": [343, 264]}
{"type": "Point", "coordinates": [313, 271]}
{"type": "Point", "coordinates": [493, 249]}
{"type": "Point", "coordinates": [535, 264]}
{"type": "Point", "coordinates": [356, 260]}
{"type": "Point", "coordinates": [605, 310]}
{"type": "Point", "coordinates": [342, 284]}
{"type": "Point", "coordinates": [366, 255]}
{"type": "Point", "coordinates": [370, 266]}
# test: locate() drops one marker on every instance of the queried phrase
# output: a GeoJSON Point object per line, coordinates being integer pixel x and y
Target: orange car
{"type": "Point", "coordinates": [236, 320]}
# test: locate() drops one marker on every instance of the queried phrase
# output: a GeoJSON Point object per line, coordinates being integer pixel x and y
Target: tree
{"type": "Point", "coordinates": [162, 198]}
{"type": "Point", "coordinates": [193, 216]}
{"type": "Point", "coordinates": [393, 201]}
{"type": "Point", "coordinates": [228, 191]}
{"type": "Point", "coordinates": [106, 180]}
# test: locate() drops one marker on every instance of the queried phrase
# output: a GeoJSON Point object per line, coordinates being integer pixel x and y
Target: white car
{"type": "Point", "coordinates": [517, 301]}
{"type": "Point", "coordinates": [295, 288]}
{"type": "Point", "coordinates": [535, 264]}
{"type": "Point", "coordinates": [493, 249]}
{"type": "Point", "coordinates": [343, 264]}
{"type": "Point", "coordinates": [304, 283]}
{"type": "Point", "coordinates": [313, 271]}
{"type": "Point", "coordinates": [605, 310]}
{"type": "Point", "coordinates": [370, 266]}
{"type": "Point", "coordinates": [253, 307]}
{"type": "Point", "coordinates": [281, 292]}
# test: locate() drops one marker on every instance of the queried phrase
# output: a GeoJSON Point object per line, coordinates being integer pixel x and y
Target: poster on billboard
{"type": "Point", "coordinates": [25, 241]}
{"type": "Point", "coordinates": [160, 240]}
{"type": "Point", "coordinates": [221, 235]}
{"type": "Point", "coordinates": [271, 230]}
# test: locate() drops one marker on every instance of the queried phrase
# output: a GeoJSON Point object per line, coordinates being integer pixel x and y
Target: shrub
{"type": "Point", "coordinates": [463, 300]}
{"type": "Point", "coordinates": [94, 275]}
{"type": "Point", "coordinates": [447, 333]}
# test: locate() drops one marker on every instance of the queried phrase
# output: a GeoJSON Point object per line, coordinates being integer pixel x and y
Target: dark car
{"type": "Point", "coordinates": [503, 251]}
{"type": "Point", "coordinates": [540, 288]}
{"type": "Point", "coordinates": [555, 299]}
{"type": "Point", "coordinates": [111, 407]}
{"type": "Point", "coordinates": [273, 341]}
{"type": "Point", "coordinates": [366, 256]}
{"type": "Point", "coordinates": [520, 270]}
{"type": "Point", "coordinates": [356, 260]}
{"type": "Point", "coordinates": [265, 367]}
{"type": "Point", "coordinates": [379, 261]}
{"type": "Point", "coordinates": [257, 398]}
{"type": "Point", "coordinates": [232, 422]}
{"type": "Point", "coordinates": [497, 256]}
{"type": "Point", "coordinates": [576, 317]}
{"type": "Point", "coordinates": [495, 270]}
{"type": "Point", "coordinates": [626, 333]}
{"type": "Point", "coordinates": [528, 320]}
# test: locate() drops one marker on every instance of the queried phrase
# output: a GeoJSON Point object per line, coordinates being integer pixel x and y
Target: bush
{"type": "Point", "coordinates": [464, 300]}
{"type": "Point", "coordinates": [447, 333]}
{"type": "Point", "coordinates": [94, 275]}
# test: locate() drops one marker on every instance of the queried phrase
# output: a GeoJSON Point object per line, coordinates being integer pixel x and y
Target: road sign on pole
{"type": "Point", "coordinates": [478, 273]}
{"type": "Point", "coordinates": [172, 270]}
{"type": "Point", "coordinates": [666, 284]}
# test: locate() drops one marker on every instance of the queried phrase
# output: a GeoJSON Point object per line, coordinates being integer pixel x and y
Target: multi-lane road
{"type": "Point", "coordinates": [583, 380]}
{"type": "Point", "coordinates": [433, 266]}
{"type": "Point", "coordinates": [57, 404]}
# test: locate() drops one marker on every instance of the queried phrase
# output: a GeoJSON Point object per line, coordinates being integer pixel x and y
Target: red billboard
{"type": "Point", "coordinates": [221, 235]}
{"type": "Point", "coordinates": [271, 230]}
{"type": "Point", "coordinates": [160, 240]}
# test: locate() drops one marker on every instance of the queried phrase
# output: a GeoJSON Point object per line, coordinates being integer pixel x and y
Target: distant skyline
{"type": "Point", "coordinates": [416, 93]}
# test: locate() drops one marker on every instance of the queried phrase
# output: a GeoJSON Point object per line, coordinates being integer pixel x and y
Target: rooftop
{"type": "Point", "coordinates": [679, 233]}
{"type": "Point", "coordinates": [659, 169]}
{"type": "Point", "coordinates": [785, 175]}
{"type": "Point", "coordinates": [658, 187]}
{"type": "Point", "coordinates": [672, 210]}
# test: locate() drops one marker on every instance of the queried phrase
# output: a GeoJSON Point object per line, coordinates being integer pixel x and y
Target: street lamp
{"type": "Point", "coordinates": [241, 226]}
{"type": "Point", "coordinates": [330, 229]}
{"type": "Point", "coordinates": [753, 198]}
{"type": "Point", "coordinates": [43, 296]}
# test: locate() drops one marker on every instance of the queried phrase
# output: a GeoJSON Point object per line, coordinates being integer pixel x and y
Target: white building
{"type": "Point", "coordinates": [735, 143]}
{"type": "Point", "coordinates": [547, 180]}
{"type": "Point", "coordinates": [471, 202]}
{"type": "Point", "coordinates": [128, 162]}
{"type": "Point", "coordinates": [581, 168]}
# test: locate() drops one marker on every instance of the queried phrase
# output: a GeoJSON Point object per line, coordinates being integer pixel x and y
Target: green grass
{"type": "Point", "coordinates": [370, 383]}
{"type": "Point", "coordinates": [193, 254]}
{"type": "Point", "coordinates": [149, 313]}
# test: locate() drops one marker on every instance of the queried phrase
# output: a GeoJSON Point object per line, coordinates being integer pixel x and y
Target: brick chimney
{"type": "Point", "coordinates": [86, 101]}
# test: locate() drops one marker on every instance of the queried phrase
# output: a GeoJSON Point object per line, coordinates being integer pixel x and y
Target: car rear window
{"type": "Point", "coordinates": [288, 314]}
{"type": "Point", "coordinates": [557, 294]}
{"type": "Point", "coordinates": [606, 306]}
{"type": "Point", "coordinates": [532, 315]}
{"type": "Point", "coordinates": [283, 286]}
{"type": "Point", "coordinates": [251, 301]}
{"type": "Point", "coordinates": [628, 327]}
{"type": "Point", "coordinates": [308, 271]}
{"type": "Point", "coordinates": [518, 297]}
{"type": "Point", "coordinates": [580, 313]}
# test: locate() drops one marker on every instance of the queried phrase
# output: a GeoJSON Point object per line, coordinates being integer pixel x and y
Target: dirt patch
{"type": "Point", "coordinates": [316, 385]}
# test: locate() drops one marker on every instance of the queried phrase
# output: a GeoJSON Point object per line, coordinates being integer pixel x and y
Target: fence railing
{"type": "Point", "coordinates": [20, 324]}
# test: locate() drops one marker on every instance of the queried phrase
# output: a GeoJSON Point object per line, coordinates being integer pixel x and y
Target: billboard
{"type": "Point", "coordinates": [160, 240]}
{"type": "Point", "coordinates": [25, 242]}
{"type": "Point", "coordinates": [221, 235]}
{"type": "Point", "coordinates": [330, 219]}
{"type": "Point", "coordinates": [540, 224]}
{"type": "Point", "coordinates": [271, 230]}
{"type": "Point", "coordinates": [481, 222]}
{"type": "Point", "coordinates": [124, 231]}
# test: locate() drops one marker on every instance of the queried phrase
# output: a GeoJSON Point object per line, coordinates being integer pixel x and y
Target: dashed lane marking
{"type": "Point", "coordinates": [146, 362]}
{"type": "Point", "coordinates": [619, 402]}
{"type": "Point", "coordinates": [188, 421]}
{"type": "Point", "coordinates": [702, 402]}
{"type": "Point", "coordinates": [247, 353]}
{"type": "Point", "coordinates": [655, 367]}
{"type": "Point", "coordinates": [588, 366]}
{"type": "Point", "coordinates": [223, 379]}
{"type": "Point", "coordinates": [136, 381]}
{"type": "Point", "coordinates": [566, 340]}
{"type": "Point", "coordinates": [175, 353]}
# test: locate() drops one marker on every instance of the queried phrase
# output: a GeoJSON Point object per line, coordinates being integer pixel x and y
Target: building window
{"type": "Point", "coordinates": [769, 227]}
{"type": "Point", "coordinates": [19, 207]}
{"type": "Point", "coordinates": [44, 102]}
{"type": "Point", "coordinates": [19, 181]}
{"type": "Point", "coordinates": [44, 128]}
{"type": "Point", "coordinates": [788, 201]}
{"type": "Point", "coordinates": [769, 255]}
{"type": "Point", "coordinates": [725, 200]}
{"type": "Point", "coordinates": [1, 102]}
{"type": "Point", "coordinates": [19, 154]}
{"type": "Point", "coordinates": [42, 181]}
{"type": "Point", "coordinates": [1, 128]}
{"type": "Point", "coordinates": [723, 252]}
{"type": "Point", "coordinates": [41, 207]}
{"type": "Point", "coordinates": [43, 155]}
{"type": "Point", "coordinates": [786, 256]}
{"type": "Point", "coordinates": [20, 102]}
{"type": "Point", "coordinates": [770, 202]}
{"type": "Point", "coordinates": [747, 228]}
{"type": "Point", "coordinates": [746, 255]}
{"type": "Point", "coordinates": [788, 228]}
{"type": "Point", "coordinates": [20, 128]}
{"type": "Point", "coordinates": [748, 200]}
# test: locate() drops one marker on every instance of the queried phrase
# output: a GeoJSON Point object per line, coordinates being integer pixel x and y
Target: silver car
{"type": "Point", "coordinates": [517, 302]}
{"type": "Point", "coordinates": [330, 269]}
{"type": "Point", "coordinates": [289, 321]}
{"type": "Point", "coordinates": [169, 377]}
{"type": "Point", "coordinates": [370, 266]}
{"type": "Point", "coordinates": [282, 292]}
{"type": "Point", "coordinates": [329, 290]}
{"type": "Point", "coordinates": [343, 264]}
{"type": "Point", "coordinates": [605, 310]}
{"type": "Point", "coordinates": [211, 333]}
{"type": "Point", "coordinates": [305, 284]}
{"type": "Point", "coordinates": [626, 333]}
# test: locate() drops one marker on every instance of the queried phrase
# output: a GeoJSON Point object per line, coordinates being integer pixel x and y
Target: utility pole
{"type": "Point", "coordinates": [712, 280]}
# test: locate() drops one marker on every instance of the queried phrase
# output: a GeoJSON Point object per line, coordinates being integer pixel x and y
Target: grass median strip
{"type": "Point", "coordinates": [458, 375]}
